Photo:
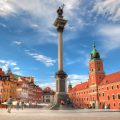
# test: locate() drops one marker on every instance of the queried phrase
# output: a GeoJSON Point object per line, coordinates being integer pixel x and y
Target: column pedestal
{"type": "Point", "coordinates": [61, 94]}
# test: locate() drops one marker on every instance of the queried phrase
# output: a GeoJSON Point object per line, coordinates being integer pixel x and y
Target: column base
{"type": "Point", "coordinates": [61, 96]}
{"type": "Point", "coordinates": [58, 105]}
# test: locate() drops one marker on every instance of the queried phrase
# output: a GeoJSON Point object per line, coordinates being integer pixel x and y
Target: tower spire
{"type": "Point", "coordinates": [94, 54]}
{"type": "Point", "coordinates": [69, 82]}
{"type": "Point", "coordinates": [94, 44]}
{"type": "Point", "coordinates": [69, 85]}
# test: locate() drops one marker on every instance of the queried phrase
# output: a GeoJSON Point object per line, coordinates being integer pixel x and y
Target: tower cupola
{"type": "Point", "coordinates": [94, 54]}
{"type": "Point", "coordinates": [70, 85]}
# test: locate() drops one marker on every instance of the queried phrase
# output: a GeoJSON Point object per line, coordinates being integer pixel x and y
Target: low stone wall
{"type": "Point", "coordinates": [3, 106]}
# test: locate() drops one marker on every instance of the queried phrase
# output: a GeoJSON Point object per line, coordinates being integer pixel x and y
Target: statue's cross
{"type": "Point", "coordinates": [63, 6]}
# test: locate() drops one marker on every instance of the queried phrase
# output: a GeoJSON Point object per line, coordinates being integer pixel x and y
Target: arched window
{"type": "Point", "coordinates": [113, 97]}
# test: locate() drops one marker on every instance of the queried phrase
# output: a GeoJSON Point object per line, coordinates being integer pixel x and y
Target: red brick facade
{"type": "Point", "coordinates": [100, 91]}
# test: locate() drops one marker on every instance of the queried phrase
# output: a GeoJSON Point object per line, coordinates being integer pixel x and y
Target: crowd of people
{"type": "Point", "coordinates": [19, 104]}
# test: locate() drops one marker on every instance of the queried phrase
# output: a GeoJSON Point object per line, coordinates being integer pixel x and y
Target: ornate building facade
{"type": "Point", "coordinates": [8, 86]}
{"type": "Point", "coordinates": [48, 95]}
{"type": "Point", "coordinates": [19, 88]}
{"type": "Point", "coordinates": [100, 91]}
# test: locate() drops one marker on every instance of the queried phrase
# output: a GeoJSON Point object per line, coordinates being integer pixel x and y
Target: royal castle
{"type": "Point", "coordinates": [100, 91]}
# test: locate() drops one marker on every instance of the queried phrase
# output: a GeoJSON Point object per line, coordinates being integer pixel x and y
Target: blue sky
{"type": "Point", "coordinates": [28, 39]}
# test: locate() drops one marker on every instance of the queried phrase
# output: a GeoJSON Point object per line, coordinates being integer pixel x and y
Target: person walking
{"type": "Point", "coordinates": [22, 105]}
{"type": "Point", "coordinates": [9, 103]}
{"type": "Point", "coordinates": [18, 105]}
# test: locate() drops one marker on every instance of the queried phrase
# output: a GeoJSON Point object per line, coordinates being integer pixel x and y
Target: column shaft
{"type": "Point", "coordinates": [60, 51]}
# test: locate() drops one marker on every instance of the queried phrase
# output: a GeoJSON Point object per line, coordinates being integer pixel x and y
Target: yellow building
{"type": "Point", "coordinates": [8, 86]}
{"type": "Point", "coordinates": [13, 85]}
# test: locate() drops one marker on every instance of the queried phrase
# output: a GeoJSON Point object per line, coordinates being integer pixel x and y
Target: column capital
{"type": "Point", "coordinates": [60, 29]}
{"type": "Point", "coordinates": [60, 23]}
{"type": "Point", "coordinates": [61, 74]}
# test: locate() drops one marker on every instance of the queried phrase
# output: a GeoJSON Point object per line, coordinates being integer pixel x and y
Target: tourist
{"type": "Point", "coordinates": [22, 105]}
{"type": "Point", "coordinates": [18, 105]}
{"type": "Point", "coordinates": [9, 103]}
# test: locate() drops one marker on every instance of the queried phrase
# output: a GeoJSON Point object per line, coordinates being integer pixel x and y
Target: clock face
{"type": "Point", "coordinates": [91, 65]}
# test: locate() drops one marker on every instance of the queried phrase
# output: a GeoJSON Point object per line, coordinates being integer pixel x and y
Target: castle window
{"type": "Point", "coordinates": [108, 97]}
{"type": "Point", "coordinates": [107, 88]}
{"type": "Point", "coordinates": [106, 81]}
{"type": "Point", "coordinates": [117, 86]}
{"type": "Point", "coordinates": [103, 94]}
{"type": "Point", "coordinates": [118, 96]}
{"type": "Point", "coordinates": [98, 69]}
{"type": "Point", "coordinates": [112, 87]}
{"type": "Point", "coordinates": [113, 97]}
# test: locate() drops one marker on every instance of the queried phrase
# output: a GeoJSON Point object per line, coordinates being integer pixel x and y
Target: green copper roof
{"type": "Point", "coordinates": [70, 85]}
{"type": "Point", "coordinates": [94, 53]}
{"type": "Point", "coordinates": [17, 76]}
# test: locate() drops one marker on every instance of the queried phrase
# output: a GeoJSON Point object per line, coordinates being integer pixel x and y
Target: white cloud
{"type": "Point", "coordinates": [16, 68]}
{"type": "Point", "coordinates": [111, 37]}
{"type": "Point", "coordinates": [8, 62]}
{"type": "Point", "coordinates": [17, 72]}
{"type": "Point", "coordinates": [77, 78]}
{"type": "Point", "coordinates": [109, 8]}
{"type": "Point", "coordinates": [48, 61]}
{"type": "Point", "coordinates": [3, 25]}
{"type": "Point", "coordinates": [17, 42]}
{"type": "Point", "coordinates": [39, 9]}
{"type": "Point", "coordinates": [5, 64]}
{"type": "Point", "coordinates": [52, 85]}
{"type": "Point", "coordinates": [13, 64]}
{"type": "Point", "coordinates": [6, 8]}
{"type": "Point", "coordinates": [74, 79]}
{"type": "Point", "coordinates": [43, 14]}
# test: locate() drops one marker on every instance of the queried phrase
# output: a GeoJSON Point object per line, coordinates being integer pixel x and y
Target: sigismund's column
{"type": "Point", "coordinates": [60, 75]}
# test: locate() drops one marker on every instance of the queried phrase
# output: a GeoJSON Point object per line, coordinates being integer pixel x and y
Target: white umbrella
{"type": "Point", "coordinates": [43, 104]}
{"type": "Point", "coordinates": [5, 103]}
{"type": "Point", "coordinates": [13, 103]}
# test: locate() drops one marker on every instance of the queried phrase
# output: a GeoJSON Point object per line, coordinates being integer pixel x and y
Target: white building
{"type": "Point", "coordinates": [48, 95]}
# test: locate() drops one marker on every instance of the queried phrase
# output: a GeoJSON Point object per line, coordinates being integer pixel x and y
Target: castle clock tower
{"type": "Point", "coordinates": [96, 69]}
{"type": "Point", "coordinates": [96, 75]}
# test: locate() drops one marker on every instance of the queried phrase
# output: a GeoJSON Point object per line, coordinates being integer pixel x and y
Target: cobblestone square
{"type": "Point", "coordinates": [39, 114]}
